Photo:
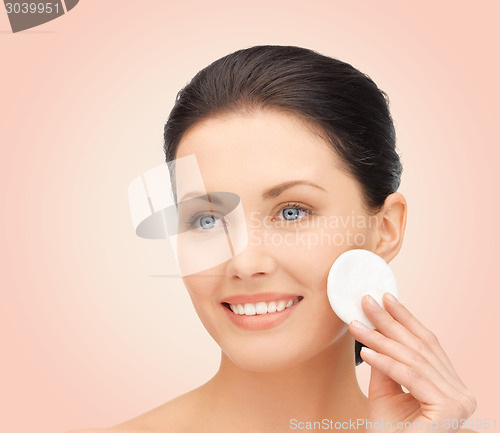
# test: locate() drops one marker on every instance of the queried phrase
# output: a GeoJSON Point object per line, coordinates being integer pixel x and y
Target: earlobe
{"type": "Point", "coordinates": [391, 228]}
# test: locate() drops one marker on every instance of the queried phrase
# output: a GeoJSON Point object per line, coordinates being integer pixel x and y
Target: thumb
{"type": "Point", "coordinates": [382, 385]}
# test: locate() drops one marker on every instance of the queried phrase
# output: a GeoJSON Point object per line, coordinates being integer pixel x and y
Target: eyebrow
{"type": "Point", "coordinates": [278, 189]}
{"type": "Point", "coordinates": [275, 191]}
{"type": "Point", "coordinates": [201, 196]}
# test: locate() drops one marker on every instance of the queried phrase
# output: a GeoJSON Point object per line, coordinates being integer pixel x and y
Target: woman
{"type": "Point", "coordinates": [301, 139]}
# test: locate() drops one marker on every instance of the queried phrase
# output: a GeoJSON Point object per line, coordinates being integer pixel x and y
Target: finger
{"type": "Point", "coordinates": [401, 353]}
{"type": "Point", "coordinates": [409, 321]}
{"type": "Point", "coordinates": [397, 323]}
{"type": "Point", "coordinates": [426, 343]}
{"type": "Point", "coordinates": [381, 385]}
{"type": "Point", "coordinates": [419, 386]}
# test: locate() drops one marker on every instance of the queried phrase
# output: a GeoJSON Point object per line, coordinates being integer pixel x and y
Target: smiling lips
{"type": "Point", "coordinates": [260, 311]}
{"type": "Point", "coordinates": [252, 309]}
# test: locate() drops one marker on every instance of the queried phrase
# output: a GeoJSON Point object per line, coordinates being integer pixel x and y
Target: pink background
{"type": "Point", "coordinates": [88, 337]}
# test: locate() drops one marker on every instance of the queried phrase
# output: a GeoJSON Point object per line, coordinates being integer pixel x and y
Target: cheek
{"type": "Point", "coordinates": [202, 289]}
{"type": "Point", "coordinates": [310, 260]}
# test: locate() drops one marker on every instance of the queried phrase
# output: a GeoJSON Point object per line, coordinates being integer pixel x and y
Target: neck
{"type": "Point", "coordinates": [323, 387]}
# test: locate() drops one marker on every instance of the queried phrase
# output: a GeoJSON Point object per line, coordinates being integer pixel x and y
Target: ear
{"type": "Point", "coordinates": [391, 226]}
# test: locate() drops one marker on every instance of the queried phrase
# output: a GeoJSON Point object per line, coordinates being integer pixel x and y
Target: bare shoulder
{"type": "Point", "coordinates": [174, 416]}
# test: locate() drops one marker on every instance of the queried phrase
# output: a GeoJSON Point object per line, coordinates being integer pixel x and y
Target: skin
{"type": "Point", "coordinates": [304, 368]}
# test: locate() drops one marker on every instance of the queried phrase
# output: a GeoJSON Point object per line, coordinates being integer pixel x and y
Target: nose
{"type": "Point", "coordinates": [249, 264]}
{"type": "Point", "coordinates": [254, 261]}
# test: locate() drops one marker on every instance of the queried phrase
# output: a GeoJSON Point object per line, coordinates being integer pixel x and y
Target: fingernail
{"type": "Point", "coordinates": [373, 302]}
{"type": "Point", "coordinates": [391, 298]}
{"type": "Point", "coordinates": [359, 325]}
{"type": "Point", "coordinates": [365, 349]}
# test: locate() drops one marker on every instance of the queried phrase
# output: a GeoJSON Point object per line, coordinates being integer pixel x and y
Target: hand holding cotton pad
{"type": "Point", "coordinates": [354, 274]}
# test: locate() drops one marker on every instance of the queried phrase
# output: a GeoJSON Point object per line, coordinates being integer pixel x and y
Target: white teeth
{"type": "Point", "coordinates": [261, 308]}
{"type": "Point", "coordinates": [250, 309]}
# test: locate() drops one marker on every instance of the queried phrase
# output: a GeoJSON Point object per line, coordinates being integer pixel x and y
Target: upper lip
{"type": "Point", "coordinates": [258, 297]}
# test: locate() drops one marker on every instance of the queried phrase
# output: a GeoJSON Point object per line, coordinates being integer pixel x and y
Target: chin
{"type": "Point", "coordinates": [272, 357]}
{"type": "Point", "coordinates": [259, 363]}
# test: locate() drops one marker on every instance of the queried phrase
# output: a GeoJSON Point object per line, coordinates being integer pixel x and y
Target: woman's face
{"type": "Point", "coordinates": [295, 233]}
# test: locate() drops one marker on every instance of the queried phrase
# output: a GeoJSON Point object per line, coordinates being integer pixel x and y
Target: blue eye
{"type": "Point", "coordinates": [291, 212]}
{"type": "Point", "coordinates": [205, 222]}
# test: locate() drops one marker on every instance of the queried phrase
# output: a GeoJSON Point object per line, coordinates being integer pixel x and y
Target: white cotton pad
{"type": "Point", "coordinates": [354, 274]}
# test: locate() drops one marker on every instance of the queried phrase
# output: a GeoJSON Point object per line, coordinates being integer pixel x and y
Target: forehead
{"type": "Point", "coordinates": [255, 150]}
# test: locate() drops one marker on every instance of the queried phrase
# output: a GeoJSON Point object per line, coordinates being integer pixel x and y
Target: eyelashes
{"type": "Point", "coordinates": [209, 220]}
{"type": "Point", "coordinates": [298, 206]}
